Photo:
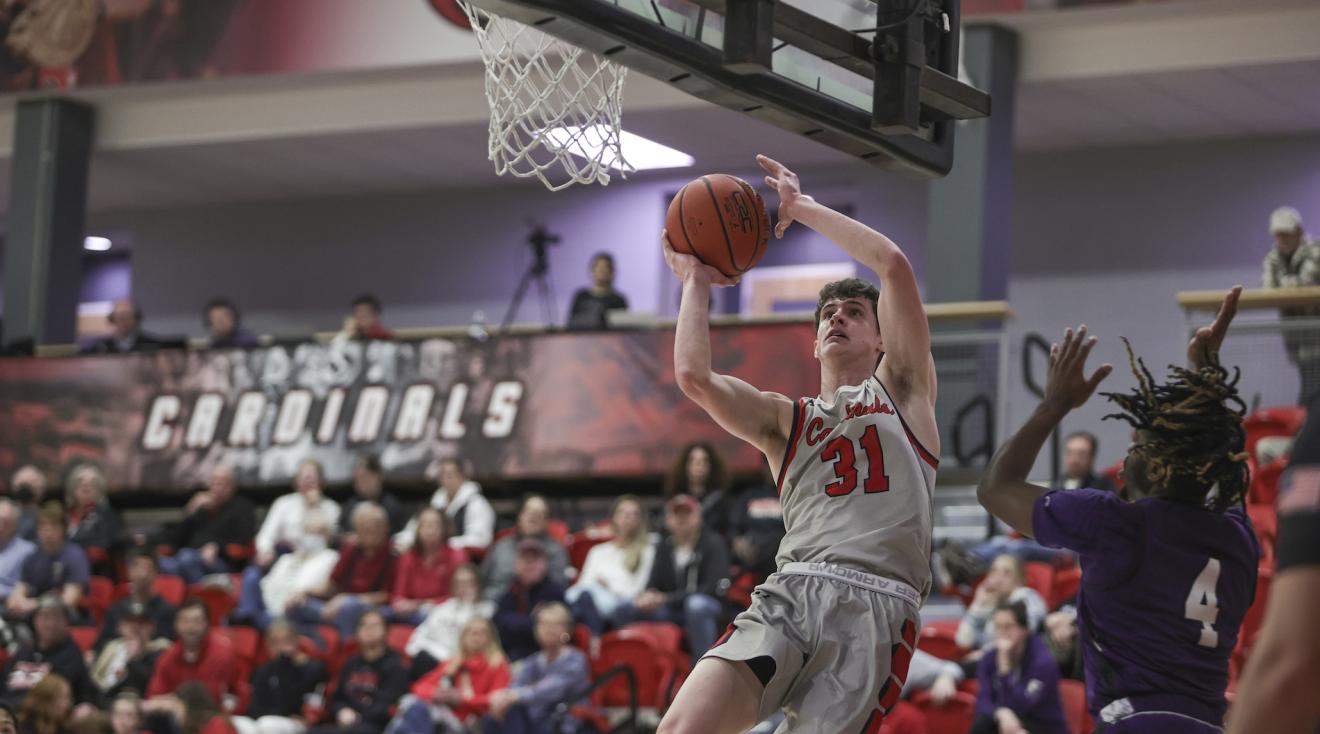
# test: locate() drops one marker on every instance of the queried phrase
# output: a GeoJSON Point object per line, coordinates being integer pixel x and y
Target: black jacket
{"type": "Point", "coordinates": [235, 522]}
{"type": "Point", "coordinates": [278, 687]}
{"type": "Point", "coordinates": [759, 517]}
{"type": "Point", "coordinates": [99, 528]}
{"type": "Point", "coordinates": [142, 342]}
{"type": "Point", "coordinates": [706, 573]}
{"type": "Point", "coordinates": [29, 665]}
{"type": "Point", "coordinates": [160, 611]}
{"type": "Point", "coordinates": [513, 615]}
{"type": "Point", "coordinates": [370, 687]}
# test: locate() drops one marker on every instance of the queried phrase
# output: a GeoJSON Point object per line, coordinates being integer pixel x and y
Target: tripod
{"type": "Point", "coordinates": [538, 272]}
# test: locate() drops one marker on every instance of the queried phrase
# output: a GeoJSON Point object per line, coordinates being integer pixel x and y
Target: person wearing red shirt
{"type": "Point", "coordinates": [363, 323]}
{"type": "Point", "coordinates": [425, 571]}
{"type": "Point", "coordinates": [361, 581]}
{"type": "Point", "coordinates": [457, 693]}
{"type": "Point", "coordinates": [197, 655]}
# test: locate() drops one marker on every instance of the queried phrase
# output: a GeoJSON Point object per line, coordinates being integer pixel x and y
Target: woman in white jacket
{"type": "Point", "coordinates": [616, 571]}
{"type": "Point", "coordinates": [436, 639]}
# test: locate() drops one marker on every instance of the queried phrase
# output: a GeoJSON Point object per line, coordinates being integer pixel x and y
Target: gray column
{"type": "Point", "coordinates": [969, 233]}
{"type": "Point", "coordinates": [47, 208]}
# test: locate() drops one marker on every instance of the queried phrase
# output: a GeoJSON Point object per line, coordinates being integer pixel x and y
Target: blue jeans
{"type": "Point", "coordinates": [189, 565]}
{"type": "Point", "coordinates": [412, 718]}
{"type": "Point", "coordinates": [251, 606]}
{"type": "Point", "coordinates": [308, 615]}
{"type": "Point", "coordinates": [517, 720]}
{"type": "Point", "coordinates": [699, 616]}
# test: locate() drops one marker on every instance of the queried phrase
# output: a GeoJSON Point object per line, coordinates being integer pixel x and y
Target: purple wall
{"type": "Point", "coordinates": [106, 278]}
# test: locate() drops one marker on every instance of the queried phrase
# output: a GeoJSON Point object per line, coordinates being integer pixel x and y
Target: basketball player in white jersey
{"type": "Point", "coordinates": [829, 635]}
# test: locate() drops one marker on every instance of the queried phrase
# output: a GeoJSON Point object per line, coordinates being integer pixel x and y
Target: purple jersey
{"type": "Point", "coordinates": [1164, 589]}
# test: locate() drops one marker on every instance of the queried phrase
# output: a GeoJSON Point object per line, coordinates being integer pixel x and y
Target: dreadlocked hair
{"type": "Point", "coordinates": [1194, 437]}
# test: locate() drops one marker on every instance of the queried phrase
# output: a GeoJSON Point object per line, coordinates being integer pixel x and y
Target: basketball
{"type": "Point", "coordinates": [720, 219]}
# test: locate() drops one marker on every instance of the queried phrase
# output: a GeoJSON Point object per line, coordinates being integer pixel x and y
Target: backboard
{"type": "Point", "coordinates": [877, 79]}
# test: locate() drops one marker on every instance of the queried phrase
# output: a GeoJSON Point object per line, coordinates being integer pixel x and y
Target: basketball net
{"type": "Point", "coordinates": [553, 106]}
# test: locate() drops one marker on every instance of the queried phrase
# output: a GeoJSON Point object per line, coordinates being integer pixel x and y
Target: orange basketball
{"type": "Point", "coordinates": [720, 219]}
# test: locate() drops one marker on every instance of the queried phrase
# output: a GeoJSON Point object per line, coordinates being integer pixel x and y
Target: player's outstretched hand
{"type": "Point", "coordinates": [786, 183]}
{"type": "Point", "coordinates": [685, 265]}
{"type": "Point", "coordinates": [1067, 385]}
{"type": "Point", "coordinates": [1204, 347]}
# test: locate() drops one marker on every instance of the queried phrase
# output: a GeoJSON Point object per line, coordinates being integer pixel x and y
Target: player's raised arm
{"type": "Point", "coordinates": [1004, 489]}
{"type": "Point", "coordinates": [759, 418]}
{"type": "Point", "coordinates": [902, 317]}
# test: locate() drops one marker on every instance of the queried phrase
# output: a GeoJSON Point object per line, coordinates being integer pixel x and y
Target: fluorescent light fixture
{"type": "Point", "coordinates": [96, 244]}
{"type": "Point", "coordinates": [639, 154]}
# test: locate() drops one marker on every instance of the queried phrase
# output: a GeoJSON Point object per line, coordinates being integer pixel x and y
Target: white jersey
{"type": "Point", "coordinates": [857, 487]}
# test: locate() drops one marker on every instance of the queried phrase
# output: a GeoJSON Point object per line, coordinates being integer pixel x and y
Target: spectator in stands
{"type": "Point", "coordinates": [198, 654]}
{"type": "Point", "coordinates": [1294, 262]}
{"type": "Point", "coordinates": [51, 651]}
{"type": "Point", "coordinates": [128, 659]}
{"type": "Point", "coordinates": [217, 527]}
{"type": "Point", "coordinates": [360, 581]}
{"type": "Point", "coordinates": [425, 571]}
{"type": "Point", "coordinates": [616, 571]}
{"type": "Point", "coordinates": [294, 575]}
{"type": "Point", "coordinates": [364, 322]}
{"type": "Point", "coordinates": [471, 517]}
{"type": "Point", "coordinates": [1019, 682]}
{"type": "Point", "coordinates": [93, 524]}
{"type": "Point", "coordinates": [369, 486]}
{"type": "Point", "coordinates": [369, 684]}
{"type": "Point", "coordinates": [436, 638]}
{"type": "Point", "coordinates": [557, 674]}
{"type": "Point", "coordinates": [699, 471]}
{"type": "Point", "coordinates": [456, 694]}
{"type": "Point", "coordinates": [125, 714]}
{"type": "Point", "coordinates": [142, 575]}
{"type": "Point", "coordinates": [591, 305]}
{"type": "Point", "coordinates": [13, 549]}
{"type": "Point", "coordinates": [1061, 634]}
{"type": "Point", "coordinates": [224, 326]}
{"type": "Point", "coordinates": [940, 678]}
{"type": "Point", "coordinates": [7, 720]}
{"type": "Point", "coordinates": [47, 709]}
{"type": "Point", "coordinates": [758, 526]}
{"type": "Point", "coordinates": [191, 710]}
{"type": "Point", "coordinates": [28, 488]}
{"type": "Point", "coordinates": [281, 686]}
{"type": "Point", "coordinates": [690, 571]}
{"type": "Point", "coordinates": [497, 570]}
{"type": "Point", "coordinates": [1005, 583]}
{"type": "Point", "coordinates": [127, 335]}
{"type": "Point", "coordinates": [56, 567]}
{"type": "Point", "coordinates": [1079, 450]}
{"type": "Point", "coordinates": [283, 525]}
{"type": "Point", "coordinates": [531, 588]}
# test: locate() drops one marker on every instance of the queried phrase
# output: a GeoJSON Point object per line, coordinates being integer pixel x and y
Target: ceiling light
{"type": "Point", "coordinates": [96, 244]}
{"type": "Point", "coordinates": [639, 154]}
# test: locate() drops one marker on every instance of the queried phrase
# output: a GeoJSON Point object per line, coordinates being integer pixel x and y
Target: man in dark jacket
{"type": "Point", "coordinates": [280, 686]}
{"type": "Point", "coordinates": [690, 573]}
{"type": "Point", "coordinates": [142, 574]}
{"type": "Point", "coordinates": [533, 586]}
{"type": "Point", "coordinates": [217, 527]}
{"type": "Point", "coordinates": [53, 651]}
{"type": "Point", "coordinates": [127, 334]}
{"type": "Point", "coordinates": [369, 685]}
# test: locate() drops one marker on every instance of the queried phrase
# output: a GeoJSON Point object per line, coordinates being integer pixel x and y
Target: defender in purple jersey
{"type": "Point", "coordinates": [1167, 577]}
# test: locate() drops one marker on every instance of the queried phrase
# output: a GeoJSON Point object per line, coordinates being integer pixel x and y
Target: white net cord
{"type": "Point", "coordinates": [554, 107]}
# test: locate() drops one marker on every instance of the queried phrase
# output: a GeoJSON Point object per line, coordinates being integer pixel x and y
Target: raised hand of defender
{"type": "Point", "coordinates": [786, 183]}
{"type": "Point", "coordinates": [1067, 385]}
{"type": "Point", "coordinates": [1204, 347]}
{"type": "Point", "coordinates": [685, 265]}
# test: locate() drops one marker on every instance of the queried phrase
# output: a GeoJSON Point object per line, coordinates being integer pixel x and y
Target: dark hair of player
{"type": "Point", "coordinates": [1192, 432]}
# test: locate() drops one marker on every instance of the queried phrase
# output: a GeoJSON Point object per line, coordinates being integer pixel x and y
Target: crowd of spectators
{"type": "Point", "coordinates": [371, 616]}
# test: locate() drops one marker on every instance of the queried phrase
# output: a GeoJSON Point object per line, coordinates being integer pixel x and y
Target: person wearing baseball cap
{"type": "Point", "coordinates": [688, 578]}
{"type": "Point", "coordinates": [531, 587]}
{"type": "Point", "coordinates": [128, 658]}
{"type": "Point", "coordinates": [51, 651]}
{"type": "Point", "coordinates": [1294, 262]}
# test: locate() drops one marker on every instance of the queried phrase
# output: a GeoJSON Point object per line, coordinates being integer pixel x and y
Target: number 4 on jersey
{"type": "Point", "coordinates": [841, 452]}
{"type": "Point", "coordinates": [1202, 604]}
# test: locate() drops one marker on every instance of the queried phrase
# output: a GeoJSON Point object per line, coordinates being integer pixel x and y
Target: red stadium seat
{"type": "Point", "coordinates": [1265, 520]}
{"type": "Point", "coordinates": [1266, 422]}
{"type": "Point", "coordinates": [952, 717]}
{"type": "Point", "coordinates": [84, 637]}
{"type": "Point", "coordinates": [397, 639]}
{"type": "Point", "coordinates": [1040, 576]}
{"type": "Point", "coordinates": [1066, 583]}
{"type": "Point", "coordinates": [171, 588]}
{"type": "Point", "coordinates": [581, 543]}
{"type": "Point", "coordinates": [558, 530]}
{"type": "Point", "coordinates": [653, 668]}
{"type": "Point", "coordinates": [937, 638]}
{"type": "Point", "coordinates": [100, 595]}
{"type": "Point", "coordinates": [1264, 489]}
{"type": "Point", "coordinates": [219, 602]}
{"type": "Point", "coordinates": [1072, 695]}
